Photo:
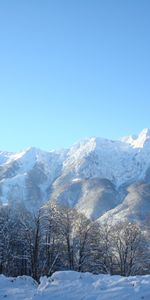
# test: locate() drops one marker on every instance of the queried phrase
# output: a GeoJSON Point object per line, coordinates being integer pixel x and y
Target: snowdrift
{"type": "Point", "coordinates": [70, 285]}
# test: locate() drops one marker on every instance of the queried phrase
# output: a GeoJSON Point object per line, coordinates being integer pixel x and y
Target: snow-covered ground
{"type": "Point", "coordinates": [70, 285]}
{"type": "Point", "coordinates": [20, 288]}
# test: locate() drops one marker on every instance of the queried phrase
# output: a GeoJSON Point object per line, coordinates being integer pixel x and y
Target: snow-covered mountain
{"type": "Point", "coordinates": [135, 207]}
{"type": "Point", "coordinates": [26, 177]}
{"type": "Point", "coordinates": [96, 176]}
{"type": "Point", "coordinates": [138, 141]}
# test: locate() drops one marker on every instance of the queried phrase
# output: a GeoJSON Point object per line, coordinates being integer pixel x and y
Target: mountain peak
{"type": "Point", "coordinates": [138, 141]}
{"type": "Point", "coordinates": [145, 132]}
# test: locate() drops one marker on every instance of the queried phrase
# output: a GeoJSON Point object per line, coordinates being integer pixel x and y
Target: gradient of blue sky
{"type": "Point", "coordinates": [71, 69]}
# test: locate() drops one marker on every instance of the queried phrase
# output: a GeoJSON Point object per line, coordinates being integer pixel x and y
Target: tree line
{"type": "Point", "coordinates": [60, 238]}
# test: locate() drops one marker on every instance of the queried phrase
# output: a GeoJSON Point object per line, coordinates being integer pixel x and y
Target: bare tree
{"type": "Point", "coordinates": [50, 239]}
{"type": "Point", "coordinates": [103, 249]}
{"type": "Point", "coordinates": [128, 248]}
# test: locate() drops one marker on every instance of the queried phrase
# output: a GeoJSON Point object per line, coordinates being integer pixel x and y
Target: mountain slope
{"type": "Point", "coordinates": [26, 177]}
{"type": "Point", "coordinates": [135, 207]}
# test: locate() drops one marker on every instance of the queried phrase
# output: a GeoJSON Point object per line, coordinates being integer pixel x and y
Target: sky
{"type": "Point", "coordinates": [71, 69]}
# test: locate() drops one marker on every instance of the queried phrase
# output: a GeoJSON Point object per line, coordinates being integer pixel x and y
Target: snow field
{"type": "Point", "coordinates": [70, 285]}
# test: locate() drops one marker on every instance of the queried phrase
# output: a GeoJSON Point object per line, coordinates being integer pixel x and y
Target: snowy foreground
{"type": "Point", "coordinates": [71, 285]}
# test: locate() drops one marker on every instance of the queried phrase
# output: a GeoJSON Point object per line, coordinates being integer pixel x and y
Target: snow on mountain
{"type": "Point", "coordinates": [138, 141]}
{"type": "Point", "coordinates": [26, 176]}
{"type": "Point", "coordinates": [101, 158]}
{"type": "Point", "coordinates": [92, 160]}
{"type": "Point", "coordinates": [135, 207]}
{"type": "Point", "coordinates": [92, 196]}
{"type": "Point", "coordinates": [4, 156]}
{"type": "Point", "coordinates": [120, 162]}
{"type": "Point", "coordinates": [93, 175]}
{"type": "Point", "coordinates": [70, 285]}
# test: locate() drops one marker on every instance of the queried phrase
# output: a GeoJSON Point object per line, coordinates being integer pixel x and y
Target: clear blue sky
{"type": "Point", "coordinates": [71, 69]}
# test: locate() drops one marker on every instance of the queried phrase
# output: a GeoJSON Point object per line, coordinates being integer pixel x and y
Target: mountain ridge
{"type": "Point", "coordinates": [93, 175]}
